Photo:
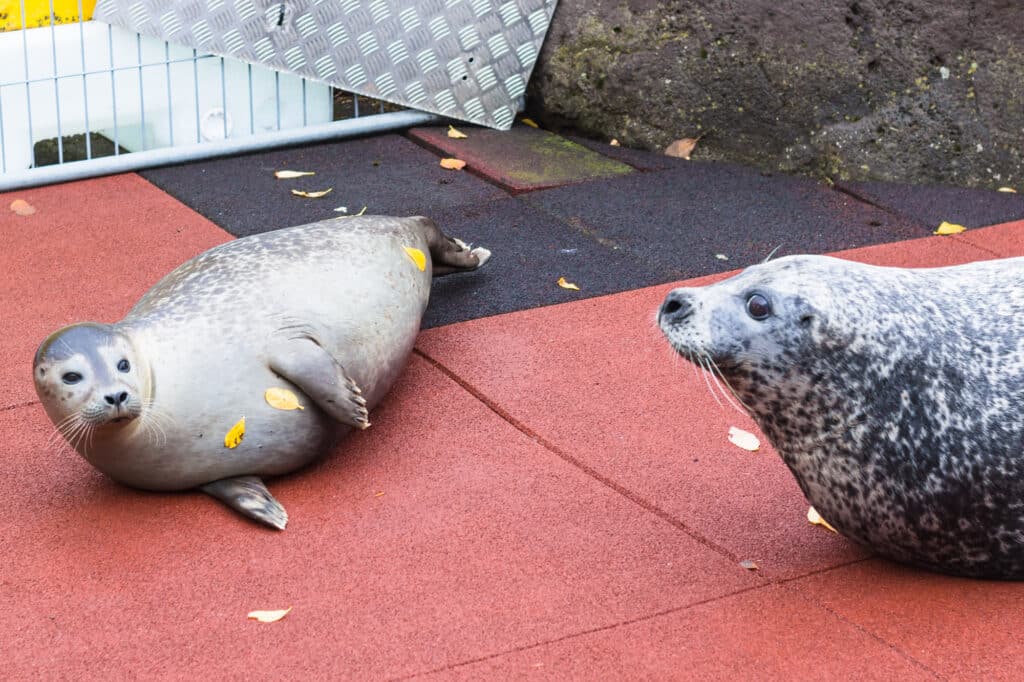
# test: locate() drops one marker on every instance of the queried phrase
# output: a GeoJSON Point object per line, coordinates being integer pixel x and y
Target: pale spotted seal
{"type": "Point", "coordinates": [895, 396]}
{"type": "Point", "coordinates": [250, 359]}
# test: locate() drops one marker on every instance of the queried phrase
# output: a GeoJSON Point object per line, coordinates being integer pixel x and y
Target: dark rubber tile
{"type": "Point", "coordinates": [932, 204]}
{"type": "Point", "coordinates": [88, 253]}
{"type": "Point", "coordinates": [637, 158]}
{"type": "Point", "coordinates": [388, 174]}
{"type": "Point", "coordinates": [521, 159]}
{"type": "Point", "coordinates": [441, 534]}
{"type": "Point", "coordinates": [531, 251]}
{"type": "Point", "coordinates": [680, 220]}
{"type": "Point", "coordinates": [957, 627]}
{"type": "Point", "coordinates": [765, 634]}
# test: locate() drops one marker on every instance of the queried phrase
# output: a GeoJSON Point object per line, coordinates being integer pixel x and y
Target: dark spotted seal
{"type": "Point", "coordinates": [250, 359]}
{"type": "Point", "coordinates": [895, 396]}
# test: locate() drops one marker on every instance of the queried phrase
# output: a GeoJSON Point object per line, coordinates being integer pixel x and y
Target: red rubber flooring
{"type": "Point", "coordinates": [547, 493]}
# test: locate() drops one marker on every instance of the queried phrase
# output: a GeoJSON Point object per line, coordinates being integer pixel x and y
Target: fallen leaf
{"type": "Point", "coordinates": [354, 215]}
{"type": "Point", "coordinates": [282, 399]}
{"type": "Point", "coordinates": [453, 164]}
{"type": "Point", "coordinates": [289, 174]}
{"type": "Point", "coordinates": [682, 148]}
{"type": "Point", "coordinates": [567, 285]}
{"type": "Point", "coordinates": [235, 435]}
{"type": "Point", "coordinates": [269, 616]}
{"type": "Point", "coordinates": [380, 494]}
{"type": "Point", "coordinates": [743, 439]}
{"type": "Point", "coordinates": [814, 518]}
{"type": "Point", "coordinates": [749, 565]}
{"type": "Point", "coordinates": [1007, 189]}
{"type": "Point", "coordinates": [417, 256]}
{"type": "Point", "coordinates": [721, 256]}
{"type": "Point", "coordinates": [950, 228]}
{"type": "Point", "coordinates": [22, 207]}
{"type": "Point", "coordinates": [312, 195]}
{"type": "Point", "coordinates": [456, 134]}
{"type": "Point", "coordinates": [530, 122]}
{"type": "Point", "coordinates": [341, 209]}
{"type": "Point", "coordinates": [613, 143]}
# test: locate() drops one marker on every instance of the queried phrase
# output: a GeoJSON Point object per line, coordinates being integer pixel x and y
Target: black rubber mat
{"type": "Point", "coordinates": [933, 204]}
{"type": "Point", "coordinates": [388, 174]}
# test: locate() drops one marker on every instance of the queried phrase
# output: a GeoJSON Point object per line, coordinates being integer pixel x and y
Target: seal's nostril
{"type": "Point", "coordinates": [116, 398]}
{"type": "Point", "coordinates": [670, 307]}
{"type": "Point", "coordinates": [123, 396]}
{"type": "Point", "coordinates": [676, 307]}
{"type": "Point", "coordinates": [109, 399]}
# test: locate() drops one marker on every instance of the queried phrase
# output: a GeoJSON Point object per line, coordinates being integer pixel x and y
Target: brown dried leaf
{"type": "Point", "coordinates": [22, 207]}
{"type": "Point", "coordinates": [814, 518]}
{"type": "Point", "coordinates": [289, 174]}
{"type": "Point", "coordinates": [456, 134]}
{"type": "Point", "coordinates": [682, 148]}
{"type": "Point", "coordinates": [312, 195]}
{"type": "Point", "coordinates": [950, 228]}
{"type": "Point", "coordinates": [749, 565]}
{"type": "Point", "coordinates": [453, 164]}
{"type": "Point", "coordinates": [743, 439]}
{"type": "Point", "coordinates": [562, 282]}
{"type": "Point", "coordinates": [1007, 189]}
{"type": "Point", "coordinates": [269, 616]}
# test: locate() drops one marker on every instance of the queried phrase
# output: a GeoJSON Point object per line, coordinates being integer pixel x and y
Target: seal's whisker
{"type": "Point", "coordinates": [707, 382]}
{"type": "Point", "coordinates": [725, 381]}
{"type": "Point", "coordinates": [709, 365]}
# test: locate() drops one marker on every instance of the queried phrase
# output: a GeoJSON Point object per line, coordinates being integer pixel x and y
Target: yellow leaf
{"type": "Point", "coordinates": [456, 134]}
{"type": "Point", "coordinates": [282, 399]}
{"type": "Point", "coordinates": [614, 143]}
{"type": "Point", "coordinates": [743, 439]}
{"type": "Point", "coordinates": [235, 435]}
{"type": "Point", "coordinates": [949, 228]}
{"type": "Point", "coordinates": [530, 122]}
{"type": "Point", "coordinates": [567, 285]}
{"type": "Point", "coordinates": [289, 174]}
{"type": "Point", "coordinates": [312, 195]}
{"type": "Point", "coordinates": [1007, 189]}
{"type": "Point", "coordinates": [814, 518]}
{"type": "Point", "coordinates": [682, 148]}
{"type": "Point", "coordinates": [417, 256]}
{"type": "Point", "coordinates": [22, 207]}
{"type": "Point", "coordinates": [453, 164]}
{"type": "Point", "coordinates": [269, 616]}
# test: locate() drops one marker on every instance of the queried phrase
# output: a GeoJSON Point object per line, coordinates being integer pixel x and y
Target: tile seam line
{"type": "Point", "coordinates": [584, 633]}
{"type": "Point", "coordinates": [621, 490]}
{"type": "Point", "coordinates": [7, 408]}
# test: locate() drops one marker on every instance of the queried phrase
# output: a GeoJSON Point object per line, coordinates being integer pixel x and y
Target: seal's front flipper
{"type": "Point", "coordinates": [248, 495]}
{"type": "Point", "coordinates": [306, 364]}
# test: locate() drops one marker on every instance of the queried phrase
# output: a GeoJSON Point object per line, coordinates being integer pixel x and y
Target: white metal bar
{"type": "Point", "coordinates": [142, 93]}
{"type": "Point", "coordinates": [109, 70]}
{"type": "Point", "coordinates": [28, 90]}
{"type": "Point", "coordinates": [79, 170]}
{"type": "Point", "coordinates": [170, 99]}
{"type": "Point", "coordinates": [113, 89]}
{"type": "Point", "coordinates": [85, 87]}
{"type": "Point", "coordinates": [56, 84]}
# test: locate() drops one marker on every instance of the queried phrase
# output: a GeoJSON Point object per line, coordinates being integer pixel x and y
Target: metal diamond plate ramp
{"type": "Point", "coordinates": [467, 59]}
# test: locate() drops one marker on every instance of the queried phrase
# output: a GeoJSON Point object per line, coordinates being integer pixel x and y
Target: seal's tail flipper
{"type": "Point", "coordinates": [450, 255]}
{"type": "Point", "coordinates": [248, 495]}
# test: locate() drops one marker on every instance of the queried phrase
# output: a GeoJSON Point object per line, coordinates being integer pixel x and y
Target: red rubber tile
{"type": "Point", "coordinates": [765, 634]}
{"type": "Point", "coordinates": [91, 249]}
{"type": "Point", "coordinates": [482, 542]}
{"type": "Point", "coordinates": [523, 158]}
{"type": "Point", "coordinates": [597, 379]}
{"type": "Point", "coordinates": [1006, 239]}
{"type": "Point", "coordinates": [962, 629]}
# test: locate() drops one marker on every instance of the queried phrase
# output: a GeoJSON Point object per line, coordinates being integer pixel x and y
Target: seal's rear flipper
{"type": "Point", "coordinates": [306, 364]}
{"type": "Point", "coordinates": [248, 495]}
{"type": "Point", "coordinates": [450, 255]}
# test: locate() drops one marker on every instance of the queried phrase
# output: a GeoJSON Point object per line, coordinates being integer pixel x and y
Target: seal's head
{"type": "Point", "coordinates": [89, 376]}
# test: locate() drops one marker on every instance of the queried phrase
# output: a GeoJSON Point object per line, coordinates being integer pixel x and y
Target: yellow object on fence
{"type": "Point", "coordinates": [37, 13]}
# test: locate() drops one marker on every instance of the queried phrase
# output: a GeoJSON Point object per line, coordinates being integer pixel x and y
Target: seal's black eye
{"type": "Point", "coordinates": [758, 307]}
{"type": "Point", "coordinates": [71, 377]}
{"type": "Point", "coordinates": [123, 366]}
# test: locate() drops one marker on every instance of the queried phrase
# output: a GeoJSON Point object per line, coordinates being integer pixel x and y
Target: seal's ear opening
{"type": "Point", "coordinates": [817, 326]}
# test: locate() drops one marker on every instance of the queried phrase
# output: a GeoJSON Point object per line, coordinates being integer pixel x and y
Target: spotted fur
{"type": "Point", "coordinates": [895, 396]}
